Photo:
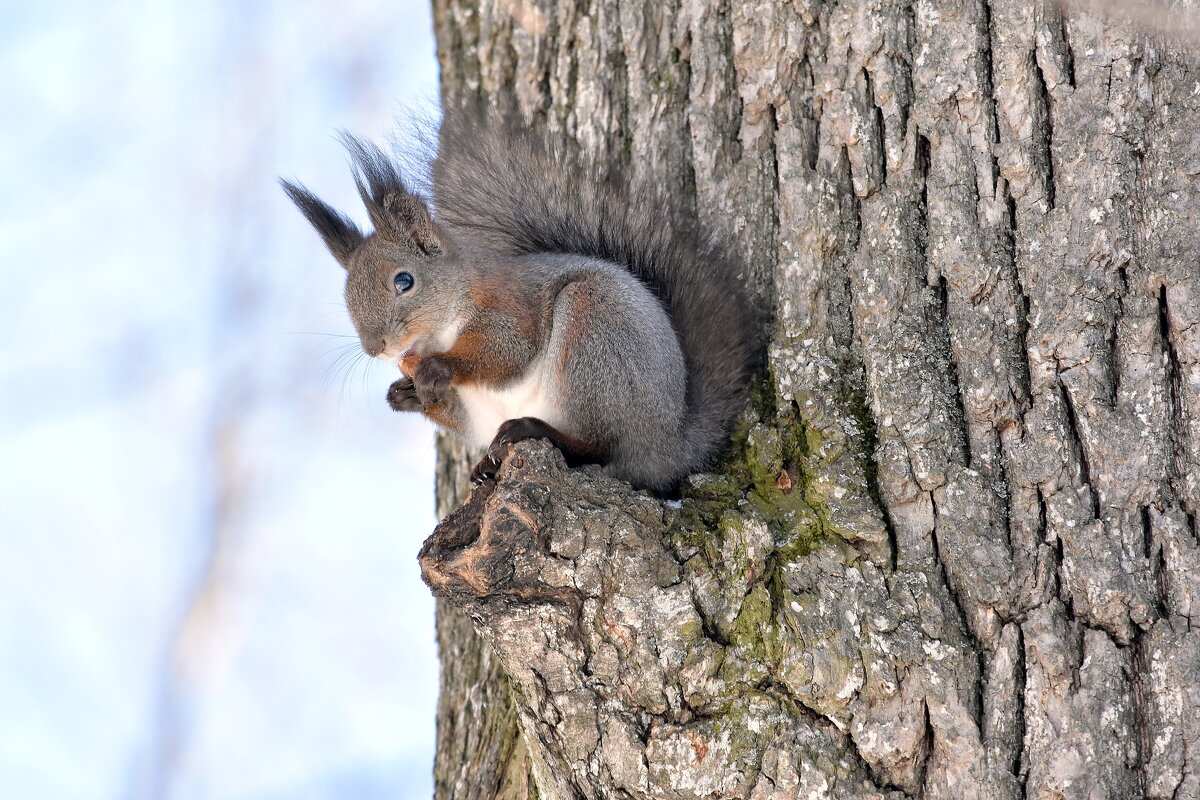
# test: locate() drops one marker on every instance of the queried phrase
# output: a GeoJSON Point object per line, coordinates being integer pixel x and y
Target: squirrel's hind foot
{"type": "Point", "coordinates": [575, 451]}
{"type": "Point", "coordinates": [486, 469]}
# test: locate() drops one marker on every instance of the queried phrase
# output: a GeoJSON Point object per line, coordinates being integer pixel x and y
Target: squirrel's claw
{"type": "Point", "coordinates": [511, 431]}
{"type": "Point", "coordinates": [486, 469]}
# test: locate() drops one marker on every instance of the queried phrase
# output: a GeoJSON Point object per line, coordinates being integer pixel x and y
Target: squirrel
{"type": "Point", "coordinates": [546, 298]}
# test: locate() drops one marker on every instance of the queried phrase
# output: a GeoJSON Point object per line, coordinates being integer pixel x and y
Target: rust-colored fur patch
{"type": "Point", "coordinates": [577, 451]}
{"type": "Point", "coordinates": [441, 415]}
{"type": "Point", "coordinates": [472, 361]}
{"type": "Point", "coordinates": [501, 293]}
{"type": "Point", "coordinates": [503, 336]}
{"type": "Point", "coordinates": [583, 313]}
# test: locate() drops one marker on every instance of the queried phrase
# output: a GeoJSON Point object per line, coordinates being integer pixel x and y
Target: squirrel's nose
{"type": "Point", "coordinates": [373, 345]}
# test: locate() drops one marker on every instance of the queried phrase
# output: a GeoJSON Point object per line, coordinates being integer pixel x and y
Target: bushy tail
{"type": "Point", "coordinates": [501, 186]}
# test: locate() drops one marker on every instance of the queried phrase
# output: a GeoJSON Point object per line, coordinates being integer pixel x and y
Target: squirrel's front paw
{"type": "Point", "coordinates": [402, 396]}
{"type": "Point", "coordinates": [432, 380]}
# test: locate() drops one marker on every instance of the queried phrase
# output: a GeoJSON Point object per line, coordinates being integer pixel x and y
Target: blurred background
{"type": "Point", "coordinates": [208, 515]}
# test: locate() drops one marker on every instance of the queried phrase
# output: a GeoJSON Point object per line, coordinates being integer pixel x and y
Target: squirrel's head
{"type": "Point", "coordinates": [404, 282]}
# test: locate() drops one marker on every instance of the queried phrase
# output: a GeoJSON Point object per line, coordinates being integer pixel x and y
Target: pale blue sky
{"type": "Point", "coordinates": [208, 585]}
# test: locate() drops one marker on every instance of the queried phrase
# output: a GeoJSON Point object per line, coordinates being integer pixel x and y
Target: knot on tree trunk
{"type": "Point", "coordinates": [568, 576]}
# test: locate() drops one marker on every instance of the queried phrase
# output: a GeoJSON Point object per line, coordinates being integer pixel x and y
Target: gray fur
{"type": "Point", "coordinates": [504, 187]}
{"type": "Point", "coordinates": [625, 383]}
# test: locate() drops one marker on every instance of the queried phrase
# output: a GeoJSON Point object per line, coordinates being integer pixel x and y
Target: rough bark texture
{"type": "Point", "coordinates": [953, 552]}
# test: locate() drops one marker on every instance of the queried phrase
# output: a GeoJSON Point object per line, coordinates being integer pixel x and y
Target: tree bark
{"type": "Point", "coordinates": [953, 551]}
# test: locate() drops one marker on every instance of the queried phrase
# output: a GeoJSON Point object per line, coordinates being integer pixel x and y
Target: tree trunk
{"type": "Point", "coordinates": [954, 551]}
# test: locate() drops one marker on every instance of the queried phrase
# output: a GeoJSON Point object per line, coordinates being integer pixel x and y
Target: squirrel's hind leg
{"type": "Point", "coordinates": [576, 451]}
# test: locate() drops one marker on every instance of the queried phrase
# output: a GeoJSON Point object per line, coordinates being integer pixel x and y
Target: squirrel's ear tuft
{"type": "Point", "coordinates": [398, 214]}
{"type": "Point", "coordinates": [409, 218]}
{"type": "Point", "coordinates": [341, 236]}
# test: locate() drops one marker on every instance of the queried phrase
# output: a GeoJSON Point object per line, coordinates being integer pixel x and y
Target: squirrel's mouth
{"type": "Point", "coordinates": [408, 360]}
{"type": "Point", "coordinates": [397, 355]}
{"type": "Point", "coordinates": [416, 347]}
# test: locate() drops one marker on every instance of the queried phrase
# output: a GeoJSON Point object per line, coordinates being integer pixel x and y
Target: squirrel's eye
{"type": "Point", "coordinates": [403, 282]}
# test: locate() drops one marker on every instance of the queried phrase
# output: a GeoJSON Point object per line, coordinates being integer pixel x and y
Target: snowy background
{"type": "Point", "coordinates": [208, 515]}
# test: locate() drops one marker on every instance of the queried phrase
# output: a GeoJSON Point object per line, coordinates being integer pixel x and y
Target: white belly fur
{"type": "Point", "coordinates": [486, 407]}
